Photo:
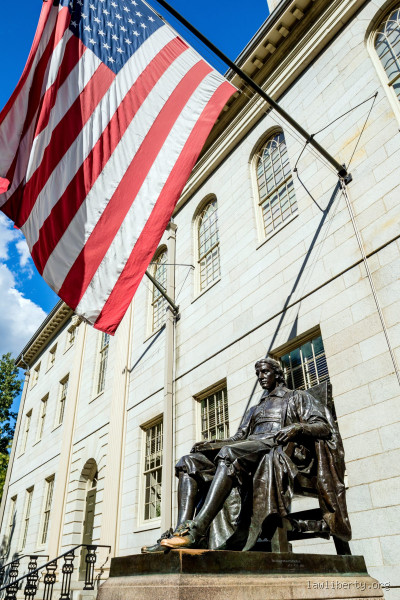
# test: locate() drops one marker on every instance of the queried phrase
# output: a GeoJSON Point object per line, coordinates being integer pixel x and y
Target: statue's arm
{"type": "Point", "coordinates": [308, 420]}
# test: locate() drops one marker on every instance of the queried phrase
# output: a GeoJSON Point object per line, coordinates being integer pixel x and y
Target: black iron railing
{"type": "Point", "coordinates": [10, 571]}
{"type": "Point", "coordinates": [32, 582]}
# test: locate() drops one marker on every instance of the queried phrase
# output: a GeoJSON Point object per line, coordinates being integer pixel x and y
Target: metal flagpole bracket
{"type": "Point", "coordinates": [172, 304]}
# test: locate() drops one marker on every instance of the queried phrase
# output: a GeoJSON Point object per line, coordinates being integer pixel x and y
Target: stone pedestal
{"type": "Point", "coordinates": [220, 575]}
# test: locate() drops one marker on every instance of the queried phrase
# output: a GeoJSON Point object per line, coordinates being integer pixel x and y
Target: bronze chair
{"type": "Point", "coordinates": [308, 524]}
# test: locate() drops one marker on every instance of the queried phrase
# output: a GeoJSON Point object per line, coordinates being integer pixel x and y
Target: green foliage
{"type": "Point", "coordinates": [10, 387]}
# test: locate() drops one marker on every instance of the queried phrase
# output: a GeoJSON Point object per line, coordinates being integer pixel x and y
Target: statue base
{"type": "Point", "coordinates": [223, 575]}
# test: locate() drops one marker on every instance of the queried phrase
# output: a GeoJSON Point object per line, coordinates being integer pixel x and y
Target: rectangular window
{"type": "Point", "coordinates": [52, 357]}
{"type": "Point", "coordinates": [11, 521]}
{"type": "Point", "coordinates": [63, 398]}
{"type": "Point", "coordinates": [305, 365]}
{"type": "Point", "coordinates": [104, 345]}
{"type": "Point", "coordinates": [47, 509]}
{"type": "Point", "coordinates": [214, 415]}
{"type": "Point", "coordinates": [153, 471]}
{"type": "Point", "coordinates": [35, 375]}
{"type": "Point", "coordinates": [71, 335]}
{"type": "Point", "coordinates": [27, 516]}
{"type": "Point", "coordinates": [28, 418]}
{"type": "Point", "coordinates": [42, 417]}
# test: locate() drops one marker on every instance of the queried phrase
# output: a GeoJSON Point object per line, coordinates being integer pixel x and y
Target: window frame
{"type": "Point", "coordinates": [296, 344]}
{"type": "Point", "coordinates": [26, 517]}
{"type": "Point", "coordinates": [25, 434]}
{"type": "Point", "coordinates": [152, 327]}
{"type": "Point", "coordinates": [62, 398]}
{"type": "Point", "coordinates": [144, 472]}
{"type": "Point", "coordinates": [102, 363]}
{"type": "Point", "coordinates": [12, 511]}
{"type": "Point", "coordinates": [42, 417]}
{"type": "Point", "coordinates": [51, 357]}
{"type": "Point", "coordinates": [197, 221]}
{"type": "Point", "coordinates": [35, 375]}
{"type": "Point", "coordinates": [46, 510]}
{"type": "Point", "coordinates": [253, 163]}
{"type": "Point", "coordinates": [373, 30]}
{"type": "Point", "coordinates": [204, 395]}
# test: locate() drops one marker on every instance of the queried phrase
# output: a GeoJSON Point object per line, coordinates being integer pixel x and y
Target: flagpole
{"type": "Point", "coordinates": [163, 292]}
{"type": "Point", "coordinates": [340, 169]}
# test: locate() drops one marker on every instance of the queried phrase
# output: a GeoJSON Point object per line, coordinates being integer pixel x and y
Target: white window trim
{"type": "Point", "coordinates": [216, 387]}
{"type": "Point", "coordinates": [27, 504]}
{"type": "Point", "coordinates": [149, 328]}
{"type": "Point", "coordinates": [25, 434]}
{"type": "Point", "coordinates": [11, 512]}
{"type": "Point", "coordinates": [35, 375]}
{"type": "Point", "coordinates": [47, 482]}
{"type": "Point", "coordinates": [95, 393]}
{"type": "Point", "coordinates": [196, 250]}
{"type": "Point", "coordinates": [263, 238]}
{"type": "Point", "coordinates": [52, 352]}
{"type": "Point", "coordinates": [380, 17]}
{"type": "Point", "coordinates": [142, 523]}
{"type": "Point", "coordinates": [57, 422]}
{"type": "Point", "coordinates": [43, 402]}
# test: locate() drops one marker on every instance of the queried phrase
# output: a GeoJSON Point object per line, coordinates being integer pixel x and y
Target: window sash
{"type": "Point", "coordinates": [43, 411]}
{"type": "Point", "coordinates": [47, 509]}
{"type": "Point", "coordinates": [158, 302]}
{"type": "Point", "coordinates": [153, 471]}
{"type": "Point", "coordinates": [215, 415]}
{"type": "Point", "coordinates": [305, 366]}
{"type": "Point", "coordinates": [105, 342]}
{"type": "Point", "coordinates": [63, 397]}
{"type": "Point", "coordinates": [387, 47]}
{"type": "Point", "coordinates": [28, 418]}
{"type": "Point", "coordinates": [27, 516]}
{"type": "Point", "coordinates": [208, 245]}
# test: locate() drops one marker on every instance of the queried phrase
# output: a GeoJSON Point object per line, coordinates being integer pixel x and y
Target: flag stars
{"type": "Point", "coordinates": [134, 3]}
{"type": "Point", "coordinates": [109, 24]}
{"type": "Point", "coordinates": [92, 6]}
{"type": "Point", "coordinates": [110, 59]}
{"type": "Point", "coordinates": [105, 12]}
{"type": "Point", "coordinates": [120, 51]}
{"type": "Point", "coordinates": [87, 28]}
{"type": "Point", "coordinates": [143, 25]}
{"type": "Point", "coordinates": [128, 41]}
{"type": "Point", "coordinates": [126, 9]}
{"type": "Point", "coordinates": [115, 37]}
{"type": "Point", "coordinates": [139, 14]}
{"type": "Point", "coordinates": [124, 29]}
{"type": "Point", "coordinates": [136, 33]}
{"type": "Point", "coordinates": [74, 24]}
{"type": "Point", "coordinates": [106, 46]}
{"type": "Point", "coordinates": [114, 4]}
{"type": "Point", "coordinates": [83, 16]}
{"type": "Point", "coordinates": [151, 19]}
{"type": "Point", "coordinates": [97, 20]}
{"type": "Point", "coordinates": [131, 21]}
{"type": "Point", "coordinates": [92, 41]}
{"type": "Point", "coordinates": [118, 16]}
{"type": "Point", "coordinates": [101, 32]}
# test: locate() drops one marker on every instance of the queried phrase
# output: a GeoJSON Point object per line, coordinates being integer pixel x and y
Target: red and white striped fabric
{"type": "Point", "coordinates": [98, 141]}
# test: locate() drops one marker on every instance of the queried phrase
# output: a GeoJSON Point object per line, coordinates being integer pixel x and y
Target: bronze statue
{"type": "Point", "coordinates": [232, 492]}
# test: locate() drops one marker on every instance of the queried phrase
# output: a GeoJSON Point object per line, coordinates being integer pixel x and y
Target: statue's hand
{"type": "Point", "coordinates": [199, 446]}
{"type": "Point", "coordinates": [289, 433]}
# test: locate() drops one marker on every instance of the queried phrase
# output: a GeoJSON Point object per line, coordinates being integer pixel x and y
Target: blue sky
{"type": "Point", "coordinates": [25, 299]}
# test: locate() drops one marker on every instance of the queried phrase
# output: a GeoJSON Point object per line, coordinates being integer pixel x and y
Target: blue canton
{"type": "Point", "coordinates": [112, 29]}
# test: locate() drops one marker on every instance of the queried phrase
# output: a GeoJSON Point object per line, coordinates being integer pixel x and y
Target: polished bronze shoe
{"type": "Point", "coordinates": [185, 536]}
{"type": "Point", "coordinates": [157, 547]}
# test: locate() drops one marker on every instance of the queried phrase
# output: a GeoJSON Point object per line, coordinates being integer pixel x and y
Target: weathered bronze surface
{"type": "Point", "coordinates": [236, 491]}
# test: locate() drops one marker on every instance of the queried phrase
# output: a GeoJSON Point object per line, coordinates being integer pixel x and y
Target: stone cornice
{"type": "Point", "coordinates": [321, 21]}
{"type": "Point", "coordinates": [47, 330]}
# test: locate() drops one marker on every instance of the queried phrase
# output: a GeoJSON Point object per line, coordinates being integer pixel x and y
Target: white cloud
{"type": "Point", "coordinates": [19, 316]}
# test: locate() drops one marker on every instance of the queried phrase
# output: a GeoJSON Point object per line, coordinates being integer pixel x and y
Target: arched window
{"type": "Point", "coordinates": [277, 199]}
{"type": "Point", "coordinates": [208, 245]}
{"type": "Point", "coordinates": [158, 302]}
{"type": "Point", "coordinates": [387, 46]}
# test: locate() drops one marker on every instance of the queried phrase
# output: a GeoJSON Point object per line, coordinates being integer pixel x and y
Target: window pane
{"type": "Point", "coordinates": [158, 300]}
{"type": "Point", "coordinates": [208, 238]}
{"type": "Point", "coordinates": [387, 46]}
{"type": "Point", "coordinates": [275, 183]}
{"type": "Point", "coordinates": [214, 416]}
{"type": "Point", "coordinates": [153, 472]}
{"type": "Point", "coordinates": [305, 366]}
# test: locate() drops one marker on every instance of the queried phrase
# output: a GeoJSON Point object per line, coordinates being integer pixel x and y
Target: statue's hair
{"type": "Point", "coordinates": [280, 377]}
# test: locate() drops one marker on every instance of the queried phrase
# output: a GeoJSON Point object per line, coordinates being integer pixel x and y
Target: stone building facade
{"type": "Point", "coordinates": [272, 257]}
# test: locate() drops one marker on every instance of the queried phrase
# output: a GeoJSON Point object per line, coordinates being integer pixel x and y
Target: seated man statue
{"type": "Point", "coordinates": [233, 491]}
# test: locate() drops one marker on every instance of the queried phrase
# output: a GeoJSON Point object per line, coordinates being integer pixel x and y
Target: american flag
{"type": "Point", "coordinates": [98, 141]}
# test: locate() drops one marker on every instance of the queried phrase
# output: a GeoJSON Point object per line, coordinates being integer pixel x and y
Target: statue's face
{"type": "Point", "coordinates": [266, 377]}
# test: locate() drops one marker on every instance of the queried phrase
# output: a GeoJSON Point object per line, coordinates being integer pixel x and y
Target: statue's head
{"type": "Point", "coordinates": [265, 365]}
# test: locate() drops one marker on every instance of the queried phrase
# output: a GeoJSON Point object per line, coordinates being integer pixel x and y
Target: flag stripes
{"type": "Point", "coordinates": [102, 154]}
